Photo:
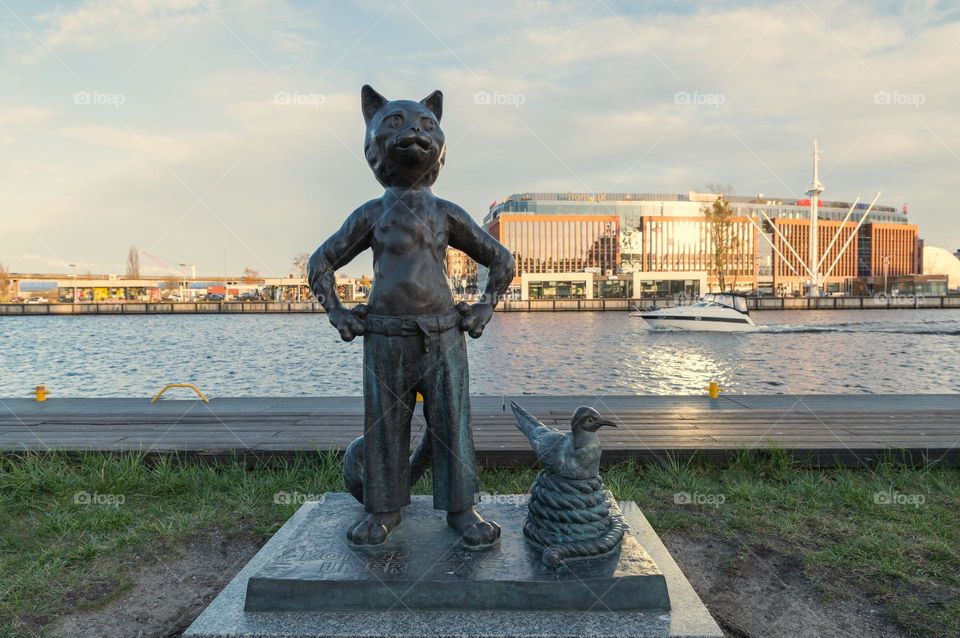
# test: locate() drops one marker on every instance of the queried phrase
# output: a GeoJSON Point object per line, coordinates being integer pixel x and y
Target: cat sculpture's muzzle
{"type": "Point", "coordinates": [413, 147]}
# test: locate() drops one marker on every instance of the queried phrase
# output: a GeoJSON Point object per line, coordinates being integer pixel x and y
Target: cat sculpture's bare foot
{"type": "Point", "coordinates": [475, 533]}
{"type": "Point", "coordinates": [374, 528]}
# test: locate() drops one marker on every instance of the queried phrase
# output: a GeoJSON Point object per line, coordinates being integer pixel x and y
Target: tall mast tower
{"type": "Point", "coordinates": [814, 192]}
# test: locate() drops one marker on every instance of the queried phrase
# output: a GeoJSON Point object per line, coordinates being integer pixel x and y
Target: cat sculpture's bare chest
{"type": "Point", "coordinates": [409, 228]}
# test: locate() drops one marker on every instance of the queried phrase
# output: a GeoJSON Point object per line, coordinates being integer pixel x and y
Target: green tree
{"type": "Point", "coordinates": [723, 239]}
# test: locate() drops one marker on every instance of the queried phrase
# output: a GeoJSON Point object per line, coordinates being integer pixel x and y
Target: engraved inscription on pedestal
{"type": "Point", "coordinates": [422, 566]}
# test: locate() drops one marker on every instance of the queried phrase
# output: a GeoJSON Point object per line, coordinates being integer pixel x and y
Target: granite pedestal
{"type": "Point", "coordinates": [309, 580]}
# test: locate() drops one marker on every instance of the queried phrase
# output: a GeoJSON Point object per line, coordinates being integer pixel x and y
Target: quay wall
{"type": "Point", "coordinates": [533, 305]}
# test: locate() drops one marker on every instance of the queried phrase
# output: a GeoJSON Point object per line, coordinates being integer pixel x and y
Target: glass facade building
{"type": "Point", "coordinates": [665, 232]}
{"type": "Point", "coordinates": [560, 243]}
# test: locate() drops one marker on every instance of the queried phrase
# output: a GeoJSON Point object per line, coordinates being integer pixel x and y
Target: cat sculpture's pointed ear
{"type": "Point", "coordinates": [434, 102]}
{"type": "Point", "coordinates": [370, 102]}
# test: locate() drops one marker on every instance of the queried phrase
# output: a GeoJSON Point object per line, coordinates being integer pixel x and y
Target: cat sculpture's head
{"type": "Point", "coordinates": [404, 144]}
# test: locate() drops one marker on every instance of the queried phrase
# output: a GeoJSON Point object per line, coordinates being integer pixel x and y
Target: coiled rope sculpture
{"type": "Point", "coordinates": [572, 518]}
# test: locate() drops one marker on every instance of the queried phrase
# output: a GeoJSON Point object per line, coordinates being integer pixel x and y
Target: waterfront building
{"type": "Point", "coordinates": [888, 249]}
{"type": "Point", "coordinates": [655, 241]}
{"type": "Point", "coordinates": [792, 239]}
{"type": "Point", "coordinates": [292, 288]}
{"type": "Point", "coordinates": [288, 288]}
{"type": "Point", "coordinates": [551, 241]}
{"type": "Point", "coordinates": [106, 290]}
{"type": "Point", "coordinates": [901, 288]}
{"type": "Point", "coordinates": [461, 271]}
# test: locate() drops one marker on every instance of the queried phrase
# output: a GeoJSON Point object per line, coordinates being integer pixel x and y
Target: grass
{"type": "Point", "coordinates": [70, 522]}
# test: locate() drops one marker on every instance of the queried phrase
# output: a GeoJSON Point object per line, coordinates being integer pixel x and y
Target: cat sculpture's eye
{"type": "Point", "coordinates": [394, 121]}
{"type": "Point", "coordinates": [427, 124]}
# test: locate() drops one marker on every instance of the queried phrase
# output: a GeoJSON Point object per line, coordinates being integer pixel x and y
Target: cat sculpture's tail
{"type": "Point", "coordinates": [353, 464]}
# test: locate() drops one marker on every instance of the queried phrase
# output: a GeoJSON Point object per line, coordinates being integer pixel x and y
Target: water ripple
{"type": "Point", "coordinates": [868, 351]}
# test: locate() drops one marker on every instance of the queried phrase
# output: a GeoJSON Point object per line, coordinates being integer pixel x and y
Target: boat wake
{"type": "Point", "coordinates": [947, 328]}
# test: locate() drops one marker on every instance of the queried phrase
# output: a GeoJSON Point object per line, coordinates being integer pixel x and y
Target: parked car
{"type": "Point", "coordinates": [213, 297]}
{"type": "Point", "coordinates": [38, 300]}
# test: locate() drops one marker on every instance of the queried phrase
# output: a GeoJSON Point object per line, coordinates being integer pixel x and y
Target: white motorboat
{"type": "Point", "coordinates": [713, 312]}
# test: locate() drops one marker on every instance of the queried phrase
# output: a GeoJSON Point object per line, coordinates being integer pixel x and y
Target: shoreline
{"type": "Point", "coordinates": [877, 302]}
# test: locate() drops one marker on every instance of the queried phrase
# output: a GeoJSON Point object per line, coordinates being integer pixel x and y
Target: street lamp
{"type": "Point", "coordinates": [886, 272]}
{"type": "Point", "coordinates": [193, 276]}
{"type": "Point", "coordinates": [74, 266]}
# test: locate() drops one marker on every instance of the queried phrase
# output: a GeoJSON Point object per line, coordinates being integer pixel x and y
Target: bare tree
{"type": "Point", "coordinates": [251, 276]}
{"type": "Point", "coordinates": [300, 264]}
{"type": "Point", "coordinates": [723, 239]}
{"type": "Point", "coordinates": [133, 263]}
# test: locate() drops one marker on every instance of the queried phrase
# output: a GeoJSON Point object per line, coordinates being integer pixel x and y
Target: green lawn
{"type": "Point", "coordinates": [892, 532]}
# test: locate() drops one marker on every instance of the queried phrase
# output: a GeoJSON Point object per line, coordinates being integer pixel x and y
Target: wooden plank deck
{"type": "Point", "coordinates": [821, 429]}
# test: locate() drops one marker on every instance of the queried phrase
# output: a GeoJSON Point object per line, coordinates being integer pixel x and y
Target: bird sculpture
{"type": "Point", "coordinates": [570, 513]}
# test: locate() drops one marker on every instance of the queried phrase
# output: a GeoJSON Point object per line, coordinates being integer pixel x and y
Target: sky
{"type": "Point", "coordinates": [228, 135]}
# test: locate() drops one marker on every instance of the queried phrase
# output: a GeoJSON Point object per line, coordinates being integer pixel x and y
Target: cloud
{"type": "Point", "coordinates": [111, 24]}
{"type": "Point", "coordinates": [40, 263]}
{"type": "Point", "coordinates": [20, 117]}
{"type": "Point", "coordinates": [155, 146]}
{"type": "Point", "coordinates": [599, 111]}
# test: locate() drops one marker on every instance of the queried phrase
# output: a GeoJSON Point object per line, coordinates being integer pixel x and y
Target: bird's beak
{"type": "Point", "coordinates": [604, 423]}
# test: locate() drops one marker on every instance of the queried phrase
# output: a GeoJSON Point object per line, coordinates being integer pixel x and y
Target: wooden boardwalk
{"type": "Point", "coordinates": [821, 429]}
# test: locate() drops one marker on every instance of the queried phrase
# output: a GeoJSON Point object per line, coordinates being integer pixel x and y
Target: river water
{"type": "Point", "coordinates": [859, 351]}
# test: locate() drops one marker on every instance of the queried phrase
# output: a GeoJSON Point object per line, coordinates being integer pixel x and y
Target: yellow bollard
{"type": "Point", "coordinates": [419, 398]}
{"type": "Point", "coordinates": [41, 393]}
{"type": "Point", "coordinates": [713, 390]}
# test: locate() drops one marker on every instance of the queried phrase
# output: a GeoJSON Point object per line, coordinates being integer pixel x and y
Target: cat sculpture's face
{"type": "Point", "coordinates": [404, 144]}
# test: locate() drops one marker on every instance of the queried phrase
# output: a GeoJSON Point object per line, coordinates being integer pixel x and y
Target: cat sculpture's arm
{"type": "Point", "coordinates": [466, 235]}
{"type": "Point", "coordinates": [340, 248]}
